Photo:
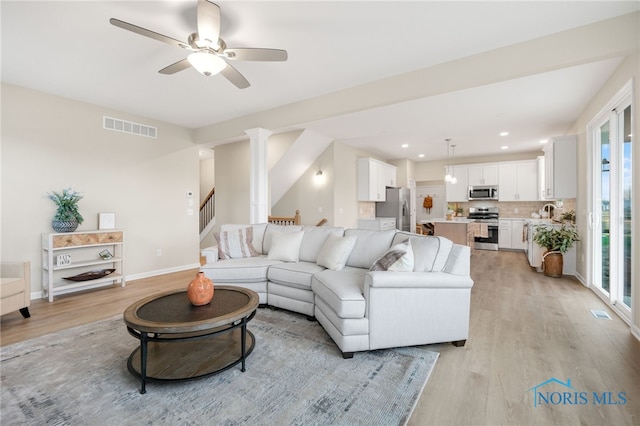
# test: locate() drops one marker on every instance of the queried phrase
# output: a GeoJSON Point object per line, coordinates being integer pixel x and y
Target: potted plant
{"type": "Point", "coordinates": [557, 241]}
{"type": "Point", "coordinates": [568, 217]}
{"type": "Point", "coordinates": [67, 217]}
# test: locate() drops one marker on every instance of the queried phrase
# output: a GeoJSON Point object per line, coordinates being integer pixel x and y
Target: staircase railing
{"type": "Point", "coordinates": [208, 209]}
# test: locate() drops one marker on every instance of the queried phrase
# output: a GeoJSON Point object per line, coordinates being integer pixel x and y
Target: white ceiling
{"type": "Point", "coordinates": [70, 49]}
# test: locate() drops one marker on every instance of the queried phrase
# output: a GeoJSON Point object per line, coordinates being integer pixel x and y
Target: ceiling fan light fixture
{"type": "Point", "coordinates": [206, 63]}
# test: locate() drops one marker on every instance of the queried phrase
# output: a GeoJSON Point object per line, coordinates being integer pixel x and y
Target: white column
{"type": "Point", "coordinates": [259, 180]}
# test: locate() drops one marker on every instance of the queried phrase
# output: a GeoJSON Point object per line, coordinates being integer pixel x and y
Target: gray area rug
{"type": "Point", "coordinates": [295, 376]}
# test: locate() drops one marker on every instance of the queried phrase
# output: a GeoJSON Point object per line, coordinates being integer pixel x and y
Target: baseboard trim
{"type": "Point", "coordinates": [582, 279]}
{"type": "Point", "coordinates": [635, 332]}
{"type": "Point", "coordinates": [157, 272]}
{"type": "Point", "coordinates": [133, 277]}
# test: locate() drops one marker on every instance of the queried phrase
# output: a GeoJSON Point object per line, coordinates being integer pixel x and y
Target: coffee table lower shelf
{"type": "Point", "coordinates": [172, 360]}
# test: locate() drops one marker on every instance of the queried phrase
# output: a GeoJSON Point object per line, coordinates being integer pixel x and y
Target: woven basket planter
{"type": "Point", "coordinates": [64, 225]}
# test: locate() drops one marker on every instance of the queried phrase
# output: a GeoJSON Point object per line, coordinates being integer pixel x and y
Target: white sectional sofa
{"type": "Point", "coordinates": [368, 289]}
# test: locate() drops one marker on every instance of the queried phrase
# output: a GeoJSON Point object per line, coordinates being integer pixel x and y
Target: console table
{"type": "Point", "coordinates": [71, 253]}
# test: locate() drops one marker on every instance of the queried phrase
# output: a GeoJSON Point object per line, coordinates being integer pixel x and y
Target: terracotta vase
{"type": "Point", "coordinates": [200, 290]}
{"type": "Point", "coordinates": [552, 264]}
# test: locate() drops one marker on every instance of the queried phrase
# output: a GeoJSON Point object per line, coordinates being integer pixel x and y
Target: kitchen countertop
{"type": "Point", "coordinates": [542, 221]}
{"type": "Point", "coordinates": [444, 220]}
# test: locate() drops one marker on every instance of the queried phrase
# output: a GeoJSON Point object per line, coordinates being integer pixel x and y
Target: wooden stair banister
{"type": "Point", "coordinates": [207, 209]}
{"type": "Point", "coordinates": [285, 220]}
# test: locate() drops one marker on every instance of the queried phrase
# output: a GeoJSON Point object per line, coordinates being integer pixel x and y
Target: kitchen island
{"type": "Point", "coordinates": [457, 229]}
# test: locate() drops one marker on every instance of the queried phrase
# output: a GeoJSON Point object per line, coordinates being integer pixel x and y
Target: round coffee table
{"type": "Point", "coordinates": [179, 341]}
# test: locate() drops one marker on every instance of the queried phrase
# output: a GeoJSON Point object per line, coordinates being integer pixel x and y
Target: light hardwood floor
{"type": "Point", "coordinates": [525, 328]}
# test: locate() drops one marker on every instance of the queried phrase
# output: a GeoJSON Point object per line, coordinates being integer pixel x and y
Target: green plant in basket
{"type": "Point", "coordinates": [556, 239]}
{"type": "Point", "coordinates": [67, 204]}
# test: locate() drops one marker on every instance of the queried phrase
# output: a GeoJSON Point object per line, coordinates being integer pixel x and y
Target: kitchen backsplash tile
{"type": "Point", "coordinates": [514, 209]}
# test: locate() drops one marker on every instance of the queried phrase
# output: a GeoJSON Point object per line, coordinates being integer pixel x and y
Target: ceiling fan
{"type": "Point", "coordinates": [209, 53]}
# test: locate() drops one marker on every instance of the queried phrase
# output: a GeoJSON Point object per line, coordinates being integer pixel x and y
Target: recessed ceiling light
{"type": "Point", "coordinates": [421, 155]}
{"type": "Point", "coordinates": [544, 140]}
{"type": "Point", "coordinates": [504, 147]}
{"type": "Point", "coordinates": [504, 133]}
{"type": "Point", "coordinates": [405, 145]}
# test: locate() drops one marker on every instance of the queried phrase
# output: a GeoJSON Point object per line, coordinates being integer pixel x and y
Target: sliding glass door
{"type": "Point", "coordinates": [610, 216]}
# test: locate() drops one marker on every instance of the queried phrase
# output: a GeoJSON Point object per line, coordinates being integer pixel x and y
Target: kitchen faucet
{"type": "Point", "coordinates": [551, 210]}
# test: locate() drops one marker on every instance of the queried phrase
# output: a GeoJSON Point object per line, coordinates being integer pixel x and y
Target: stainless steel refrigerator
{"type": "Point", "coordinates": [397, 205]}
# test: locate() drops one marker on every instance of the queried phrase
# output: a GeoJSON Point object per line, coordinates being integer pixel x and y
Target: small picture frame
{"type": "Point", "coordinates": [105, 254]}
{"type": "Point", "coordinates": [63, 259]}
{"type": "Point", "coordinates": [106, 220]}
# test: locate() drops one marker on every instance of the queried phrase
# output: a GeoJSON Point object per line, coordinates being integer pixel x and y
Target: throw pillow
{"type": "Point", "coordinates": [236, 244]}
{"type": "Point", "coordinates": [335, 251]}
{"type": "Point", "coordinates": [285, 246]}
{"type": "Point", "coordinates": [398, 258]}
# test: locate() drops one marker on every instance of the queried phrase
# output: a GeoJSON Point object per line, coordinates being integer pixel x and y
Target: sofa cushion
{"type": "Point", "coordinates": [271, 229]}
{"type": "Point", "coordinates": [370, 245]}
{"type": "Point", "coordinates": [245, 270]}
{"type": "Point", "coordinates": [398, 258]}
{"type": "Point", "coordinates": [236, 244]}
{"type": "Point", "coordinates": [314, 238]}
{"type": "Point", "coordinates": [335, 251]}
{"type": "Point", "coordinates": [258, 233]}
{"type": "Point", "coordinates": [430, 253]}
{"type": "Point", "coordinates": [294, 274]}
{"type": "Point", "coordinates": [342, 291]}
{"type": "Point", "coordinates": [285, 246]}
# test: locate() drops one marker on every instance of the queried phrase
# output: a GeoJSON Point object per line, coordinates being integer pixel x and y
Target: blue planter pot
{"type": "Point", "coordinates": [64, 225]}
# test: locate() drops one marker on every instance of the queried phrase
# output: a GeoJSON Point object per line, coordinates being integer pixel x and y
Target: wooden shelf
{"type": "Point", "coordinates": [85, 245]}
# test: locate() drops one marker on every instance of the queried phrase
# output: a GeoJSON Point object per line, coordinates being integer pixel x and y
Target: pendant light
{"type": "Point", "coordinates": [447, 176]}
{"type": "Point", "coordinates": [454, 179]}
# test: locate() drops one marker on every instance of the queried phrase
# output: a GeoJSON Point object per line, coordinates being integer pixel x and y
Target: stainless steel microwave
{"type": "Point", "coordinates": [483, 192]}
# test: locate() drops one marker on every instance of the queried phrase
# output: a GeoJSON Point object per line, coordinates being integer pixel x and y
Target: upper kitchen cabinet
{"type": "Point", "coordinates": [373, 178]}
{"type": "Point", "coordinates": [560, 168]}
{"type": "Point", "coordinates": [518, 181]}
{"type": "Point", "coordinates": [459, 191]}
{"type": "Point", "coordinates": [482, 174]}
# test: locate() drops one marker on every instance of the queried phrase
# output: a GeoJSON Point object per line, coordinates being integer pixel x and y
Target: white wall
{"type": "Point", "coordinates": [207, 176]}
{"type": "Point", "coordinates": [337, 196]}
{"type": "Point", "coordinates": [313, 197]}
{"type": "Point", "coordinates": [49, 143]}
{"type": "Point", "coordinates": [232, 170]}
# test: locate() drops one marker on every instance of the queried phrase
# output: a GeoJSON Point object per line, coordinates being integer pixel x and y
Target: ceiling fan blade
{"type": "Point", "coordinates": [234, 76]}
{"type": "Point", "coordinates": [177, 67]}
{"type": "Point", "coordinates": [250, 54]}
{"type": "Point", "coordinates": [145, 32]}
{"type": "Point", "coordinates": [209, 22]}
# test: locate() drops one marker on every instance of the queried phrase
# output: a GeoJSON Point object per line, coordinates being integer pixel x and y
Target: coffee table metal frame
{"type": "Point", "coordinates": [171, 332]}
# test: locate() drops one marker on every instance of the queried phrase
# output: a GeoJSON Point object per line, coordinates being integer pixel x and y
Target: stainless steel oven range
{"type": "Point", "coordinates": [490, 216]}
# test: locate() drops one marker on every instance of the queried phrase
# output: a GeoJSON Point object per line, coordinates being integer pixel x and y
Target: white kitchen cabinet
{"type": "Point", "coordinates": [71, 253]}
{"type": "Point", "coordinates": [518, 238]}
{"type": "Point", "coordinates": [459, 191]}
{"type": "Point", "coordinates": [378, 224]}
{"type": "Point", "coordinates": [504, 233]}
{"type": "Point", "coordinates": [373, 178]}
{"type": "Point", "coordinates": [388, 175]}
{"type": "Point", "coordinates": [510, 234]}
{"type": "Point", "coordinates": [560, 166]}
{"type": "Point", "coordinates": [541, 178]}
{"type": "Point", "coordinates": [482, 174]}
{"type": "Point", "coordinates": [518, 181]}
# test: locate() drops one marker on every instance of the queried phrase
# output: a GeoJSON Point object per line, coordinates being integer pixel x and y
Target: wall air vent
{"type": "Point", "coordinates": [118, 125]}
